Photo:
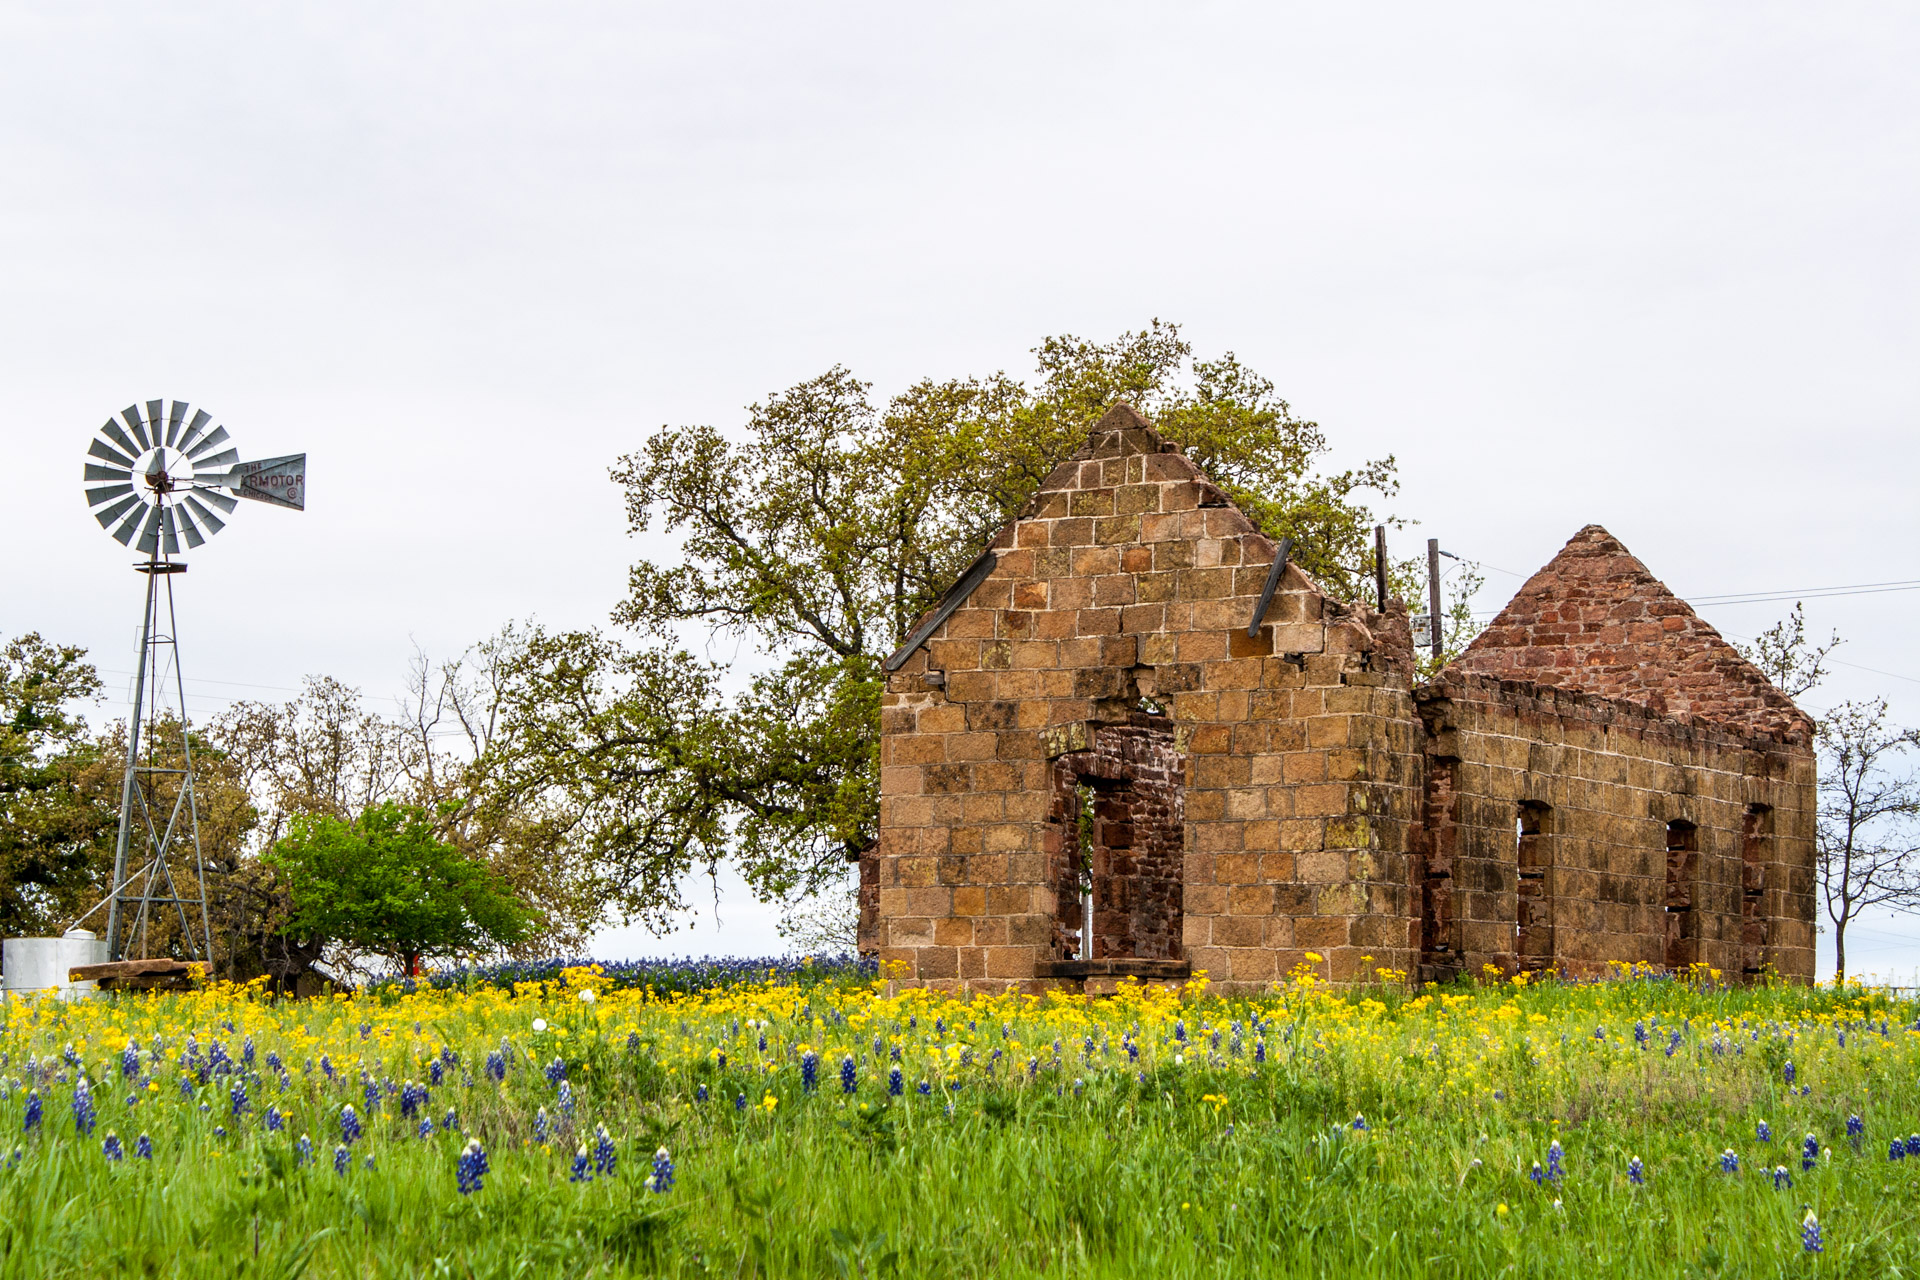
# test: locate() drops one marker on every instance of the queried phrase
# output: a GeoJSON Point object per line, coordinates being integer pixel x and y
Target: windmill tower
{"type": "Point", "coordinates": [155, 480]}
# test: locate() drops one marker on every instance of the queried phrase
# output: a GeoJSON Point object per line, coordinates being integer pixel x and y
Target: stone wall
{"type": "Point", "coordinates": [1566, 830]}
{"type": "Point", "coordinates": [1132, 577]}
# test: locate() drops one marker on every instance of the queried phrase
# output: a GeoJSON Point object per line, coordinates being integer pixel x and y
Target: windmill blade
{"type": "Point", "coordinates": [107, 453]}
{"type": "Point", "coordinates": [114, 512]}
{"type": "Point", "coordinates": [213, 522]}
{"type": "Point", "coordinates": [177, 412]}
{"type": "Point", "coordinates": [148, 527]}
{"type": "Point", "coordinates": [206, 490]}
{"type": "Point", "coordinates": [166, 527]}
{"type": "Point", "coordinates": [113, 432]}
{"type": "Point", "coordinates": [188, 529]}
{"type": "Point", "coordinates": [156, 412]}
{"type": "Point", "coordinates": [225, 458]}
{"type": "Point", "coordinates": [217, 436]}
{"type": "Point", "coordinates": [200, 419]}
{"type": "Point", "coordinates": [108, 473]}
{"type": "Point", "coordinates": [279, 481]}
{"type": "Point", "coordinates": [97, 496]}
{"type": "Point", "coordinates": [131, 416]}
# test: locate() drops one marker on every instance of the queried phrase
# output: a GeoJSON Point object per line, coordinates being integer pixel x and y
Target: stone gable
{"type": "Point", "coordinates": [1594, 619]}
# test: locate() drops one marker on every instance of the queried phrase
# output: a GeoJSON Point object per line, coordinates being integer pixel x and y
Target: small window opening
{"type": "Point", "coordinates": [1683, 859]}
{"type": "Point", "coordinates": [1756, 844]}
{"type": "Point", "coordinates": [1533, 855]}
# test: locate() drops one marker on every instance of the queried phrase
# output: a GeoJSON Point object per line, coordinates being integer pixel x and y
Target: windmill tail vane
{"type": "Point", "coordinates": [156, 479]}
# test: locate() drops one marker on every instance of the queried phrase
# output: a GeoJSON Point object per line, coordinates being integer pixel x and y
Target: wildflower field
{"type": "Point", "coordinates": [585, 1121]}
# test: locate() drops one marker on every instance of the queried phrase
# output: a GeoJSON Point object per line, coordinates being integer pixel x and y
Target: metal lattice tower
{"type": "Point", "coordinates": [154, 480]}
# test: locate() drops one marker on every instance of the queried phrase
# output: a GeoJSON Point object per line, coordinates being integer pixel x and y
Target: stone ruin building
{"type": "Point", "coordinates": [1121, 707]}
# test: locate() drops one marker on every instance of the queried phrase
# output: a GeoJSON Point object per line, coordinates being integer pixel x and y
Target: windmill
{"type": "Point", "coordinates": [154, 481]}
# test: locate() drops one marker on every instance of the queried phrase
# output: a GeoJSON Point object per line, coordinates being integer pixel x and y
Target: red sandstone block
{"type": "Point", "coordinates": [1096, 622]}
{"type": "Point", "coordinates": [1111, 530]}
{"type": "Point", "coordinates": [1114, 589]}
{"type": "Point", "coordinates": [1012, 962]}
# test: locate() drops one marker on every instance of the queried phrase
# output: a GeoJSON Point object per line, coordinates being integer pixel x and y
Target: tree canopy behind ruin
{"type": "Point", "coordinates": [812, 538]}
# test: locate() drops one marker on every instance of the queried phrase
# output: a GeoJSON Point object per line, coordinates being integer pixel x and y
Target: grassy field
{"type": "Point", "coordinates": [814, 1125]}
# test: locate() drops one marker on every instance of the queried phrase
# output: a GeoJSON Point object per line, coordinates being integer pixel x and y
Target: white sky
{"type": "Point", "coordinates": [1648, 265]}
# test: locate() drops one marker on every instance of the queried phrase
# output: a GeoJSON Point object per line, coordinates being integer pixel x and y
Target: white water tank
{"type": "Point", "coordinates": [35, 965]}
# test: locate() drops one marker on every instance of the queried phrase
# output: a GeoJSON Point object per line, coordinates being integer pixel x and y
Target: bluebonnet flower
{"type": "Point", "coordinates": [720, 1060]}
{"type": "Point", "coordinates": [435, 1073]}
{"type": "Point", "coordinates": [1673, 1043]}
{"type": "Point", "coordinates": [130, 1060]}
{"type": "Point", "coordinates": [275, 1121]}
{"type": "Point", "coordinates": [366, 1029]}
{"type": "Point", "coordinates": [662, 1171]}
{"type": "Point", "coordinates": [1913, 1144]}
{"type": "Point", "coordinates": [1782, 1180]}
{"type": "Point", "coordinates": [246, 1051]}
{"type": "Point", "coordinates": [896, 1083]}
{"type": "Point", "coordinates": [349, 1124]}
{"type": "Point", "coordinates": [372, 1092]}
{"type": "Point", "coordinates": [186, 1086]}
{"type": "Point", "coordinates": [237, 1096]}
{"type": "Point", "coordinates": [219, 1131]}
{"type": "Point", "coordinates": [286, 1082]}
{"type": "Point", "coordinates": [740, 1102]}
{"type": "Point", "coordinates": [496, 1067]}
{"type": "Point", "coordinates": [540, 1123]}
{"type": "Point", "coordinates": [1896, 1150]}
{"type": "Point", "coordinates": [582, 1170]}
{"type": "Point", "coordinates": [1180, 1030]}
{"type": "Point", "coordinates": [111, 1147]}
{"type": "Point", "coordinates": [274, 1063]}
{"type": "Point", "coordinates": [566, 1098]}
{"type": "Point", "coordinates": [448, 1057]}
{"type": "Point", "coordinates": [604, 1155]}
{"type": "Point", "coordinates": [763, 1042]}
{"type": "Point", "coordinates": [341, 1158]}
{"type": "Point", "coordinates": [1809, 1153]}
{"type": "Point", "coordinates": [1640, 1034]}
{"type": "Point", "coordinates": [1787, 1071]}
{"type": "Point", "coordinates": [926, 1088]}
{"type": "Point", "coordinates": [1556, 1166]}
{"type": "Point", "coordinates": [367, 1162]}
{"type": "Point", "coordinates": [83, 1118]}
{"type": "Point", "coordinates": [700, 1093]}
{"type": "Point", "coordinates": [326, 1066]}
{"type": "Point", "coordinates": [426, 1128]}
{"type": "Point", "coordinates": [1729, 1162]}
{"type": "Point", "coordinates": [556, 1071]}
{"type": "Point", "coordinates": [1762, 1132]}
{"type": "Point", "coordinates": [1810, 1241]}
{"type": "Point", "coordinates": [143, 1147]}
{"type": "Point", "coordinates": [411, 1096]}
{"type": "Point", "coordinates": [1360, 1123]}
{"type": "Point", "coordinates": [450, 1123]}
{"type": "Point", "coordinates": [1538, 1174]}
{"type": "Point", "coordinates": [1636, 1172]}
{"type": "Point", "coordinates": [1599, 1033]}
{"type": "Point", "coordinates": [849, 1078]}
{"type": "Point", "coordinates": [68, 1056]}
{"type": "Point", "coordinates": [471, 1167]}
{"type": "Point", "coordinates": [303, 1151]}
{"type": "Point", "coordinates": [33, 1112]}
{"type": "Point", "coordinates": [809, 1070]}
{"type": "Point", "coordinates": [1855, 1127]}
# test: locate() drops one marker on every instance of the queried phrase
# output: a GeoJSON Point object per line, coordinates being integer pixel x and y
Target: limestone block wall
{"type": "Point", "coordinates": [1132, 577]}
{"type": "Point", "coordinates": [1564, 830]}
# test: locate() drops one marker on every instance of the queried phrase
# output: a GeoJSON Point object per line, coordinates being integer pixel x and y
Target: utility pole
{"type": "Point", "coordinates": [1380, 564]}
{"type": "Point", "coordinates": [1433, 593]}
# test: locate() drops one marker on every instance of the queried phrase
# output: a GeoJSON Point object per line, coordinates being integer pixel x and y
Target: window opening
{"type": "Point", "coordinates": [1683, 857]}
{"type": "Point", "coordinates": [1533, 856]}
{"type": "Point", "coordinates": [1756, 842]}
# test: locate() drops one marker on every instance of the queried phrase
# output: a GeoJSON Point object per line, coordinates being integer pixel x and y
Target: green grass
{"type": "Point", "coordinates": [1216, 1165]}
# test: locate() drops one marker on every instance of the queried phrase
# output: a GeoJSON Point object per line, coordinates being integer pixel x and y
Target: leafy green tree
{"type": "Point", "coordinates": [811, 541]}
{"type": "Point", "coordinates": [385, 884]}
{"type": "Point", "coordinates": [59, 799]}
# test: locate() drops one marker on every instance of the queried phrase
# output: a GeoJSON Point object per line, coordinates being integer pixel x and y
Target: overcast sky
{"type": "Point", "coordinates": [1647, 265]}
